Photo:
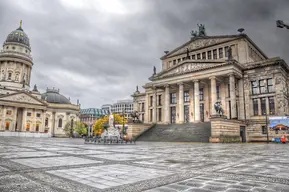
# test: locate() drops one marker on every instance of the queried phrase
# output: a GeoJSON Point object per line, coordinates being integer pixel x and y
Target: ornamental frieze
{"type": "Point", "coordinates": [200, 43]}
{"type": "Point", "coordinates": [20, 98]}
{"type": "Point", "coordinates": [190, 67]}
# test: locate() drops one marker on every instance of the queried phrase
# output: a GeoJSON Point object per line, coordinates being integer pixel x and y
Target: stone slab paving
{"type": "Point", "coordinates": [27, 154]}
{"type": "Point", "coordinates": [54, 164]}
{"type": "Point", "coordinates": [54, 161]}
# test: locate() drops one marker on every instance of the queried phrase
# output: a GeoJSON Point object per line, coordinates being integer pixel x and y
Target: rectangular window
{"type": "Point", "coordinates": [204, 55]}
{"type": "Point", "coordinates": [226, 51]}
{"type": "Point", "coordinates": [179, 60]}
{"type": "Point", "coordinates": [9, 76]}
{"type": "Point", "coordinates": [264, 130]}
{"type": "Point", "coordinates": [151, 115]}
{"type": "Point", "coordinates": [160, 100]}
{"type": "Point", "coordinates": [8, 112]}
{"type": "Point", "coordinates": [254, 87]}
{"type": "Point", "coordinates": [215, 56]}
{"type": "Point", "coordinates": [262, 87]}
{"type": "Point", "coordinates": [184, 58]}
{"type": "Point", "coordinates": [209, 54]}
{"type": "Point", "coordinates": [151, 101]}
{"type": "Point", "coordinates": [174, 62]}
{"type": "Point", "coordinates": [193, 57]}
{"type": "Point", "coordinates": [159, 114]}
{"type": "Point", "coordinates": [38, 115]}
{"type": "Point", "coordinates": [221, 52]}
{"type": "Point", "coordinates": [271, 106]}
{"type": "Point", "coordinates": [201, 94]}
{"type": "Point", "coordinates": [198, 56]}
{"type": "Point", "coordinates": [255, 107]}
{"type": "Point", "coordinates": [218, 91]}
{"type": "Point", "coordinates": [270, 87]}
{"type": "Point", "coordinates": [142, 107]}
{"type": "Point", "coordinates": [186, 97]}
{"type": "Point", "coordinates": [28, 114]}
{"type": "Point", "coordinates": [173, 98]}
{"type": "Point", "coordinates": [263, 106]}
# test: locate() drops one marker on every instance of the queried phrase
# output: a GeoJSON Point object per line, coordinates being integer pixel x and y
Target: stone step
{"type": "Point", "coordinates": [188, 132]}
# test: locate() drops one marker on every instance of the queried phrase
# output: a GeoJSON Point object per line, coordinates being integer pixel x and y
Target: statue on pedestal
{"type": "Point", "coordinates": [218, 108]}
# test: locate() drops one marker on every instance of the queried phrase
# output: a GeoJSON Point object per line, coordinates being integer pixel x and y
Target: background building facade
{"type": "Point", "coordinates": [230, 69]}
{"type": "Point", "coordinates": [120, 107]}
{"type": "Point", "coordinates": [23, 110]}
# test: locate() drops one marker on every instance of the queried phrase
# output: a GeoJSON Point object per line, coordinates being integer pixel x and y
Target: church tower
{"type": "Point", "coordinates": [16, 61]}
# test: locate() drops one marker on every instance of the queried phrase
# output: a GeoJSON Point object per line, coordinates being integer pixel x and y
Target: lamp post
{"type": "Point", "coordinates": [123, 113]}
{"type": "Point", "coordinates": [281, 24]}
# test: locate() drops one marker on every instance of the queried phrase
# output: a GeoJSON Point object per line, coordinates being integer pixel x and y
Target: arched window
{"type": "Point", "coordinates": [46, 122]}
{"type": "Point", "coordinates": [37, 128]}
{"type": "Point", "coordinates": [60, 123]}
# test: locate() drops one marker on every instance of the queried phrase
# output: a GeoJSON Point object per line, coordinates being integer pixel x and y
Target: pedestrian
{"type": "Point", "coordinates": [283, 139]}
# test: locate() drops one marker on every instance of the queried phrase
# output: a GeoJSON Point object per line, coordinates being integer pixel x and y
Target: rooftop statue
{"type": "Point", "coordinates": [200, 33]}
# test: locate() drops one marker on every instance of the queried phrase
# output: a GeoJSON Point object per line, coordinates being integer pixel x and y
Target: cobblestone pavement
{"type": "Point", "coordinates": [48, 165]}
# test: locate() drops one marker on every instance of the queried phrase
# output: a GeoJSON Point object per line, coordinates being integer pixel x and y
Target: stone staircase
{"type": "Point", "coordinates": [188, 132]}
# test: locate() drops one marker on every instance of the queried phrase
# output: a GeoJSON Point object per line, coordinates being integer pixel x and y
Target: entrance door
{"type": "Point", "coordinates": [187, 113]}
{"type": "Point", "coordinates": [243, 133]}
{"type": "Point", "coordinates": [202, 110]}
{"type": "Point", "coordinates": [173, 115]}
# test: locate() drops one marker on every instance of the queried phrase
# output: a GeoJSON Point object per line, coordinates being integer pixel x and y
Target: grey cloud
{"type": "Point", "coordinates": [100, 58]}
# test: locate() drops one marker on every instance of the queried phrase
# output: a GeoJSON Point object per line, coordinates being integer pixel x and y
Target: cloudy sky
{"type": "Point", "coordinates": [99, 50]}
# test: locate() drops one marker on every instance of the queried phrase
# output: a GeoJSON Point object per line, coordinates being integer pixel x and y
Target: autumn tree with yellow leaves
{"type": "Point", "coordinates": [102, 123]}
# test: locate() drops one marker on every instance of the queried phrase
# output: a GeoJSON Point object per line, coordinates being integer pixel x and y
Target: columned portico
{"type": "Point", "coordinates": [197, 100]}
{"type": "Point", "coordinates": [181, 103]}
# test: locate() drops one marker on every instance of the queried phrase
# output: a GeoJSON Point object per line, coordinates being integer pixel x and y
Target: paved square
{"type": "Point", "coordinates": [27, 154]}
{"type": "Point", "coordinates": [69, 165]}
{"type": "Point", "coordinates": [122, 156]}
{"type": "Point", "coordinates": [110, 176]}
{"type": "Point", "coordinates": [54, 161]}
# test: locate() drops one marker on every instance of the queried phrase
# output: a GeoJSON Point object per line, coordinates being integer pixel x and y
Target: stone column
{"type": "Point", "coordinates": [15, 119]}
{"type": "Point", "coordinates": [146, 108]}
{"type": "Point", "coordinates": [167, 104]}
{"type": "Point", "coordinates": [181, 103]}
{"type": "Point", "coordinates": [267, 106]}
{"type": "Point", "coordinates": [197, 100]}
{"type": "Point", "coordinates": [23, 127]}
{"type": "Point", "coordinates": [192, 105]}
{"type": "Point", "coordinates": [241, 100]}
{"type": "Point", "coordinates": [233, 96]}
{"type": "Point", "coordinates": [213, 94]}
{"type": "Point", "coordinates": [154, 106]}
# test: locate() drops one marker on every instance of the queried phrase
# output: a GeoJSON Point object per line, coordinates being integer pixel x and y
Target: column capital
{"type": "Point", "coordinates": [167, 85]}
{"type": "Point", "coordinates": [196, 80]}
{"type": "Point", "coordinates": [213, 77]}
{"type": "Point", "coordinates": [180, 83]}
{"type": "Point", "coordinates": [231, 74]}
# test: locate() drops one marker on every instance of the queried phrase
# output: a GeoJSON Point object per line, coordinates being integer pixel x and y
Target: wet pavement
{"type": "Point", "coordinates": [54, 164]}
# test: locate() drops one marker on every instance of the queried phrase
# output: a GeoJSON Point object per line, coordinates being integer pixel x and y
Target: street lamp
{"type": "Point", "coordinates": [281, 24]}
{"type": "Point", "coordinates": [123, 113]}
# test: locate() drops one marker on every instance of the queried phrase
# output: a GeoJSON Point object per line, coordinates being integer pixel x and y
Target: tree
{"type": "Point", "coordinates": [102, 123]}
{"type": "Point", "coordinates": [77, 126]}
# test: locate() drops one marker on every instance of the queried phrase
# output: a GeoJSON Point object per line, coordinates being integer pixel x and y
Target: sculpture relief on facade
{"type": "Point", "coordinates": [200, 43]}
{"type": "Point", "coordinates": [190, 67]}
{"type": "Point", "coordinates": [22, 98]}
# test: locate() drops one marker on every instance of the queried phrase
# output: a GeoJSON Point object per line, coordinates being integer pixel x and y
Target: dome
{"type": "Point", "coordinates": [18, 36]}
{"type": "Point", "coordinates": [53, 96]}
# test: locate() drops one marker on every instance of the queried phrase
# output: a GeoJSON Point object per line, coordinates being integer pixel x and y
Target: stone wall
{"type": "Point", "coordinates": [225, 131]}
{"type": "Point", "coordinates": [135, 129]}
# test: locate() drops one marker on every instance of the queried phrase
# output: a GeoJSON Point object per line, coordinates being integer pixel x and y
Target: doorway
{"type": "Point", "coordinates": [243, 133]}
{"type": "Point", "coordinates": [187, 113]}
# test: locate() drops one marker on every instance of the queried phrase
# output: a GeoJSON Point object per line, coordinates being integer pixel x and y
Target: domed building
{"type": "Point", "coordinates": [25, 112]}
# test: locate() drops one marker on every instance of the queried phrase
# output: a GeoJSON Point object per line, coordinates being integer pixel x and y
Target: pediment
{"type": "Point", "coordinates": [22, 98]}
{"type": "Point", "coordinates": [188, 67]}
{"type": "Point", "coordinates": [199, 43]}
